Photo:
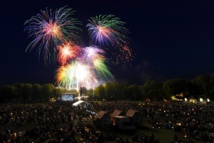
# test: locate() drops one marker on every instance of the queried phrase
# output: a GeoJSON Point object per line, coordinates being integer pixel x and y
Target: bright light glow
{"type": "Point", "coordinates": [208, 100]}
{"type": "Point", "coordinates": [52, 29]}
{"type": "Point", "coordinates": [201, 99]}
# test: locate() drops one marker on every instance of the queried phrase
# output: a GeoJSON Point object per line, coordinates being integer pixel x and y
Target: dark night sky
{"type": "Point", "coordinates": [171, 39]}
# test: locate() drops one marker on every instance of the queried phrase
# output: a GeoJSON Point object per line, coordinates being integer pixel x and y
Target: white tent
{"type": "Point", "coordinates": [78, 103]}
{"type": "Point", "coordinates": [82, 104]}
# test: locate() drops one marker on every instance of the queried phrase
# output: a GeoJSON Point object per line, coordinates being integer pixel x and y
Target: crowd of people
{"type": "Point", "coordinates": [193, 120]}
{"type": "Point", "coordinates": [61, 122]}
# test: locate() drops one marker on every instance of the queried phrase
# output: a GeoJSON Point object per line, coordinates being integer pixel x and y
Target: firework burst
{"type": "Point", "coordinates": [76, 74]}
{"type": "Point", "coordinates": [95, 57]}
{"type": "Point", "coordinates": [56, 36]}
{"type": "Point", "coordinates": [68, 52]}
{"type": "Point", "coordinates": [107, 30]}
{"type": "Point", "coordinates": [50, 29]}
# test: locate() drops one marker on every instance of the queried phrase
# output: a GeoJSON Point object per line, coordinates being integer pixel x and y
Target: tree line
{"type": "Point", "coordinates": [27, 92]}
{"type": "Point", "coordinates": [201, 86]}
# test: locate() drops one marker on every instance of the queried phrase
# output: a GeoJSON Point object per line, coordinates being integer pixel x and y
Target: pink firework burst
{"type": "Point", "coordinates": [68, 51]}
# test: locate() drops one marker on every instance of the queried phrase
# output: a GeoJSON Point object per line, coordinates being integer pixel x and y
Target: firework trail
{"type": "Point", "coordinates": [50, 29]}
{"type": "Point", "coordinates": [101, 68]}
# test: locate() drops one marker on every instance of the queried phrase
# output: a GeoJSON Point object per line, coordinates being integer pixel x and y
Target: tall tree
{"type": "Point", "coordinates": [27, 92]}
{"type": "Point", "coordinates": [36, 92]}
{"type": "Point", "coordinates": [175, 86]}
{"type": "Point", "coordinates": [99, 92]}
{"type": "Point", "coordinates": [47, 91]}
